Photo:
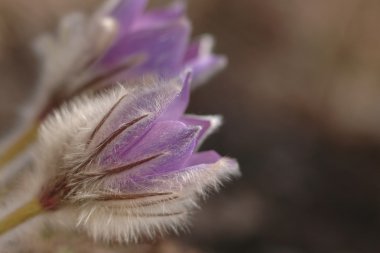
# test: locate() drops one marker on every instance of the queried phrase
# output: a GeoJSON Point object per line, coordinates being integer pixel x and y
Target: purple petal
{"type": "Point", "coordinates": [206, 157]}
{"type": "Point", "coordinates": [201, 61]}
{"type": "Point", "coordinates": [180, 103]}
{"type": "Point", "coordinates": [203, 167]}
{"type": "Point", "coordinates": [115, 150]}
{"type": "Point", "coordinates": [126, 13]}
{"type": "Point", "coordinates": [209, 170]}
{"type": "Point", "coordinates": [170, 143]}
{"type": "Point", "coordinates": [208, 124]}
{"type": "Point", "coordinates": [148, 103]}
{"type": "Point", "coordinates": [206, 68]}
{"type": "Point", "coordinates": [160, 17]}
{"type": "Point", "coordinates": [163, 48]}
{"type": "Point", "coordinates": [192, 52]}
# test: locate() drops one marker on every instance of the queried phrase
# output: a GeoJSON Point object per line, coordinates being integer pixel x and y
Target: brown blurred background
{"type": "Point", "coordinates": [301, 100]}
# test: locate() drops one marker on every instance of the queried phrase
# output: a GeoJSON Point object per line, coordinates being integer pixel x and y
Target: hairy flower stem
{"type": "Point", "coordinates": [19, 145]}
{"type": "Point", "coordinates": [20, 215]}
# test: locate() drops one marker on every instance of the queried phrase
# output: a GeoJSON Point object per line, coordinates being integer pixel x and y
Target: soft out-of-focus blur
{"type": "Point", "coordinates": [301, 101]}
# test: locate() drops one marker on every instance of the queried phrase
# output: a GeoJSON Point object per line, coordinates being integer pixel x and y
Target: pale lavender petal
{"type": "Point", "coordinates": [126, 13]}
{"type": "Point", "coordinates": [160, 17]}
{"type": "Point", "coordinates": [208, 124]}
{"type": "Point", "coordinates": [206, 173]}
{"type": "Point", "coordinates": [205, 166]}
{"type": "Point", "coordinates": [140, 111]}
{"type": "Point", "coordinates": [180, 103]}
{"type": "Point", "coordinates": [113, 153]}
{"type": "Point", "coordinates": [192, 52]}
{"type": "Point", "coordinates": [209, 172]}
{"type": "Point", "coordinates": [171, 143]}
{"type": "Point", "coordinates": [200, 59]}
{"type": "Point", "coordinates": [206, 157]}
{"type": "Point", "coordinates": [206, 68]}
{"type": "Point", "coordinates": [163, 48]}
{"type": "Point", "coordinates": [123, 113]}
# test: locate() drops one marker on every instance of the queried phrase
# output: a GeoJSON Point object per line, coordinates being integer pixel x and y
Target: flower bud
{"type": "Point", "coordinates": [125, 164]}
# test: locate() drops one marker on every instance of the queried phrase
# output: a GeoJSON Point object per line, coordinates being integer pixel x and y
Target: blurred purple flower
{"type": "Point", "coordinates": [119, 42]}
{"type": "Point", "coordinates": [161, 38]}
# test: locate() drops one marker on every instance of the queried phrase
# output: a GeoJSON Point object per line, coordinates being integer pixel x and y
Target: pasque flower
{"type": "Point", "coordinates": [120, 163]}
{"type": "Point", "coordinates": [125, 163]}
{"type": "Point", "coordinates": [120, 41]}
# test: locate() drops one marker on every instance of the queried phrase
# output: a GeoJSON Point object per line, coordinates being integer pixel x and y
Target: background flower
{"type": "Point", "coordinates": [124, 164]}
{"type": "Point", "coordinates": [162, 36]}
{"type": "Point", "coordinates": [121, 41]}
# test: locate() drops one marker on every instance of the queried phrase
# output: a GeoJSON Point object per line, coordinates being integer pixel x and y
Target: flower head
{"type": "Point", "coordinates": [127, 161]}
